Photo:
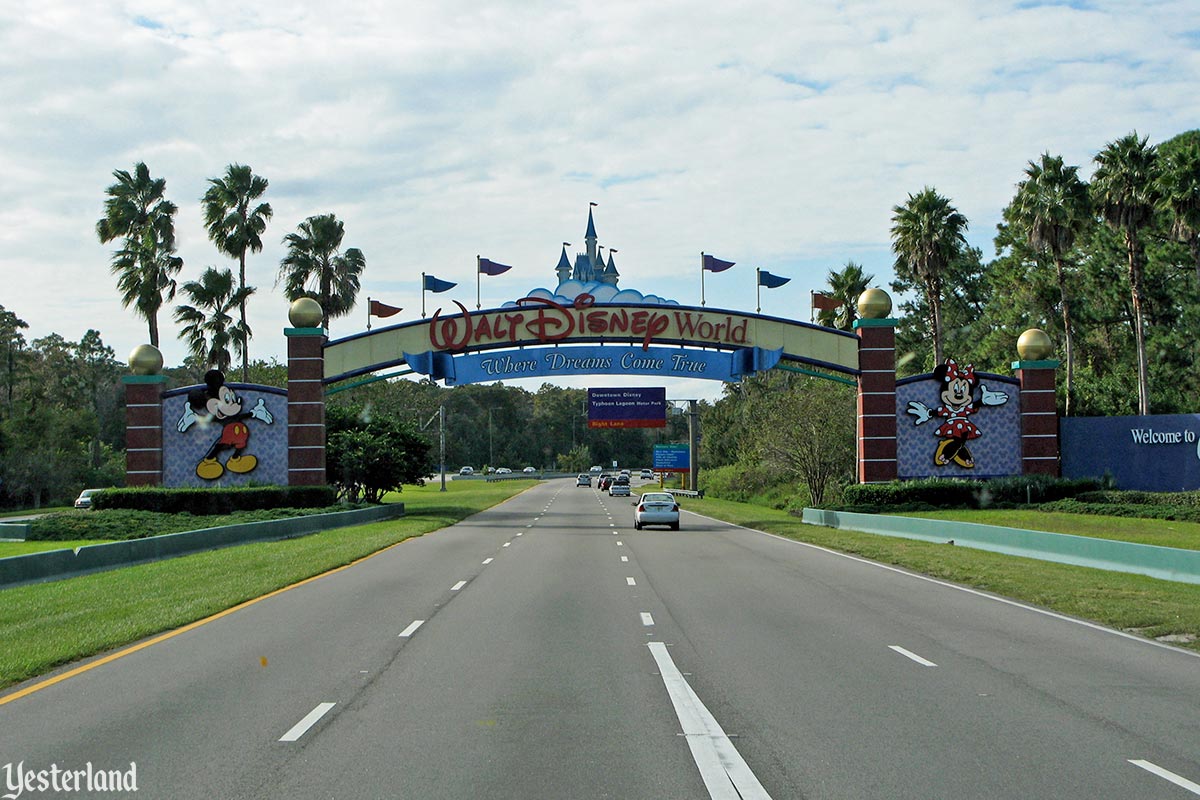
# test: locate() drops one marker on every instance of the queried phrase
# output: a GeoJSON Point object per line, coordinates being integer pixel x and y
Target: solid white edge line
{"type": "Point", "coordinates": [724, 772]}
{"type": "Point", "coordinates": [647, 620]}
{"type": "Point", "coordinates": [1166, 775]}
{"type": "Point", "coordinates": [1014, 603]}
{"type": "Point", "coordinates": [411, 629]}
{"type": "Point", "coordinates": [911, 655]}
{"type": "Point", "coordinates": [458, 586]}
{"type": "Point", "coordinates": [301, 727]}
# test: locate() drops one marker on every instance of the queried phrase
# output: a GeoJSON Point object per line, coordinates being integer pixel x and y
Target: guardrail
{"type": "Point", "coordinates": [1167, 563]}
{"type": "Point", "coordinates": [686, 493]}
{"type": "Point", "coordinates": [57, 564]}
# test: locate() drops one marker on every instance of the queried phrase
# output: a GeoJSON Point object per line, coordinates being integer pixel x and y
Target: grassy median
{"type": "Point", "coordinates": [45, 625]}
{"type": "Point", "coordinates": [1133, 603]}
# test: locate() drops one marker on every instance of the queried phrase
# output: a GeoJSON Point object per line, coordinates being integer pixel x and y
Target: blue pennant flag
{"type": "Point", "coordinates": [435, 285]}
{"type": "Point", "coordinates": [714, 264]}
{"type": "Point", "coordinates": [489, 267]}
{"type": "Point", "coordinates": [771, 281]}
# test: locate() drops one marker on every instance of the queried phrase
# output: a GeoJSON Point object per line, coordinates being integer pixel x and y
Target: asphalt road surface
{"type": "Point", "coordinates": [544, 649]}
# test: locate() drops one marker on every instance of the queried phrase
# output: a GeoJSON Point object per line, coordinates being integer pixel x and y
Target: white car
{"type": "Point", "coordinates": [467, 471]}
{"type": "Point", "coordinates": [646, 475]}
{"type": "Point", "coordinates": [656, 508]}
{"type": "Point", "coordinates": [84, 501]}
{"type": "Point", "coordinates": [529, 470]}
{"type": "Point", "coordinates": [504, 471]}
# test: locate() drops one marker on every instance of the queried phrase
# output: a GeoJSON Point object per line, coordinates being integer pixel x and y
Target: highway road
{"type": "Point", "coordinates": [544, 649]}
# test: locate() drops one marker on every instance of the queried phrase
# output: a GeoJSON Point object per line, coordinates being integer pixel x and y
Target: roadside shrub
{"type": "Point", "coordinates": [121, 524]}
{"type": "Point", "coordinates": [1136, 498]}
{"type": "Point", "coordinates": [931, 493]}
{"type": "Point", "coordinates": [205, 502]}
{"type": "Point", "coordinates": [1178, 513]}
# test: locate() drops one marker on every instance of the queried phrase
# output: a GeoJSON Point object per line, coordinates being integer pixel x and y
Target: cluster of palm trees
{"type": "Point", "coordinates": [1131, 183]}
{"type": "Point", "coordinates": [214, 325]}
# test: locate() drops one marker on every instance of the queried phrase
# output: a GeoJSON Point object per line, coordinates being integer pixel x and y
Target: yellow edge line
{"type": "Point", "coordinates": [37, 687]}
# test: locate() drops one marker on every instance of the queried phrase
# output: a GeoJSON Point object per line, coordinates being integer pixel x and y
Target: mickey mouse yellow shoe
{"type": "Point", "coordinates": [209, 469]}
{"type": "Point", "coordinates": [242, 464]}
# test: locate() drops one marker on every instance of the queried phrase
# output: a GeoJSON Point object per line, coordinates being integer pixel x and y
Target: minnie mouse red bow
{"type": "Point", "coordinates": [954, 372]}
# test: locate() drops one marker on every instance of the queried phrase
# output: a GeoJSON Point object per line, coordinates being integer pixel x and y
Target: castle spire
{"type": "Point", "coordinates": [590, 237]}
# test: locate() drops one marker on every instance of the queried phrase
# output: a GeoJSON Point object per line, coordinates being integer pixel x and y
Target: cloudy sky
{"type": "Point", "coordinates": [778, 134]}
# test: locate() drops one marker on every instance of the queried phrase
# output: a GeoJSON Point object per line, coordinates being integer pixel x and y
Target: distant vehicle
{"type": "Point", "coordinates": [467, 471]}
{"type": "Point", "coordinates": [621, 479]}
{"type": "Point", "coordinates": [656, 508]}
{"type": "Point", "coordinates": [646, 475]}
{"type": "Point", "coordinates": [503, 471]}
{"type": "Point", "coordinates": [619, 489]}
{"type": "Point", "coordinates": [528, 470]}
{"type": "Point", "coordinates": [596, 469]}
{"type": "Point", "coordinates": [584, 480]}
{"type": "Point", "coordinates": [605, 482]}
{"type": "Point", "coordinates": [84, 501]}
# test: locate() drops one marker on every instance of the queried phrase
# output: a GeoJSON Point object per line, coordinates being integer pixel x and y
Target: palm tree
{"type": "Point", "coordinates": [844, 286]}
{"type": "Point", "coordinates": [927, 234]}
{"type": "Point", "coordinates": [1053, 205]}
{"type": "Point", "coordinates": [145, 265]}
{"type": "Point", "coordinates": [1125, 191]}
{"type": "Point", "coordinates": [1179, 187]}
{"type": "Point", "coordinates": [313, 259]}
{"type": "Point", "coordinates": [236, 225]}
{"type": "Point", "coordinates": [209, 327]}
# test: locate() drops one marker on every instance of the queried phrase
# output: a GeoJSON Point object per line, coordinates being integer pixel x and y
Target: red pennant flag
{"type": "Point", "coordinates": [824, 302]}
{"type": "Point", "coordinates": [379, 309]}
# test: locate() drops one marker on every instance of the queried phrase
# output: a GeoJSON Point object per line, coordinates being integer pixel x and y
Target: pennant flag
{"type": "Point", "coordinates": [379, 309]}
{"type": "Point", "coordinates": [771, 281]}
{"type": "Point", "coordinates": [432, 284]}
{"type": "Point", "coordinates": [716, 265]}
{"type": "Point", "coordinates": [824, 302]}
{"type": "Point", "coordinates": [489, 267]}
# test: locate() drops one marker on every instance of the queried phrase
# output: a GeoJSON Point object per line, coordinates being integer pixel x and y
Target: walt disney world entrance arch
{"type": "Point", "coordinates": [543, 337]}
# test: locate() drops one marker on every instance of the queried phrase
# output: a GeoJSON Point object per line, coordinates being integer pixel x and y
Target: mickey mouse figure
{"type": "Point", "coordinates": [216, 402]}
{"type": "Point", "coordinates": [958, 390]}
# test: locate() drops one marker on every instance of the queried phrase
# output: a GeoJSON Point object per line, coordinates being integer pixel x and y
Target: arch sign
{"type": "Point", "coordinates": [540, 337]}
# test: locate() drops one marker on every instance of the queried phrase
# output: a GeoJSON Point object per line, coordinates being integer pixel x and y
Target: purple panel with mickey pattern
{"type": "Point", "coordinates": [958, 423]}
{"type": "Point", "coordinates": [224, 434]}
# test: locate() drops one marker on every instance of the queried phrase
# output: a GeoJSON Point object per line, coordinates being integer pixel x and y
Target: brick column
{"type": "Point", "coordinates": [1039, 417]}
{"type": "Point", "coordinates": [876, 400]}
{"type": "Point", "coordinates": [306, 406]}
{"type": "Point", "coordinates": [143, 429]}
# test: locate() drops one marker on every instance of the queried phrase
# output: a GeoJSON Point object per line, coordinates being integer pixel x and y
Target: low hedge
{"type": "Point", "coordinates": [206, 502]}
{"type": "Point", "coordinates": [122, 524]}
{"type": "Point", "coordinates": [931, 493]}
{"type": "Point", "coordinates": [1136, 498]}
{"type": "Point", "coordinates": [1177, 513]}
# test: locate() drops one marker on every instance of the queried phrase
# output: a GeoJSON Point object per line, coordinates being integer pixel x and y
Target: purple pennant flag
{"type": "Point", "coordinates": [489, 267]}
{"type": "Point", "coordinates": [713, 264]}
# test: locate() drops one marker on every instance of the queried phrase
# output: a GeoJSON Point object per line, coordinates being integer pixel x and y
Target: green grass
{"type": "Point", "coordinates": [1163, 533]}
{"type": "Point", "coordinates": [28, 511]}
{"type": "Point", "coordinates": [45, 625]}
{"type": "Point", "coordinates": [1133, 603]}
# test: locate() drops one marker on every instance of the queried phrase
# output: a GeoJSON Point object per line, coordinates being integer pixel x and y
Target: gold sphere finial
{"type": "Point", "coordinates": [305, 313]}
{"type": "Point", "coordinates": [874, 303]}
{"type": "Point", "coordinates": [1034, 345]}
{"type": "Point", "coordinates": [145, 359]}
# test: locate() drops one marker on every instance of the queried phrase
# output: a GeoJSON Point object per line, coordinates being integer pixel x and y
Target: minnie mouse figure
{"type": "Point", "coordinates": [216, 402]}
{"type": "Point", "coordinates": [957, 395]}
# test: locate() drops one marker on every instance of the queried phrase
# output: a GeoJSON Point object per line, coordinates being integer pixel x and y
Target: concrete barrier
{"type": "Point", "coordinates": [57, 564]}
{"type": "Point", "coordinates": [1168, 563]}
